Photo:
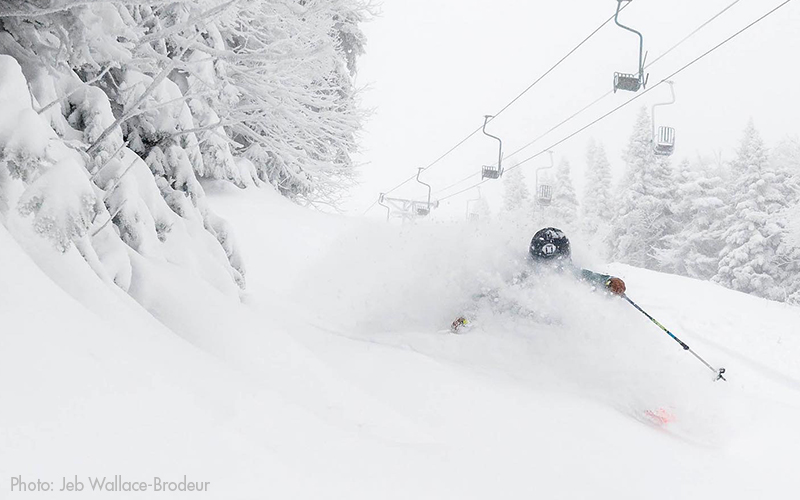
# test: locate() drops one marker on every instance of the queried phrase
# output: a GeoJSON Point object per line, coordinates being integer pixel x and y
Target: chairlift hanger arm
{"type": "Point", "coordinates": [671, 101]}
{"type": "Point", "coordinates": [381, 199]}
{"type": "Point", "coordinates": [552, 164]}
{"type": "Point", "coordinates": [424, 184]}
{"type": "Point", "coordinates": [473, 200]}
{"type": "Point", "coordinates": [500, 153]}
{"type": "Point", "coordinates": [641, 38]}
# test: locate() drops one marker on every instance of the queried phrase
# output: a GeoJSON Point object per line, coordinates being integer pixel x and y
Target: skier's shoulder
{"type": "Point", "coordinates": [590, 276]}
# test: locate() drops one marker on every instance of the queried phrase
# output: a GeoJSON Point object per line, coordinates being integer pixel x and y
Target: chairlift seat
{"type": "Point", "coordinates": [545, 195]}
{"type": "Point", "coordinates": [490, 172]}
{"type": "Point", "coordinates": [625, 81]}
{"type": "Point", "coordinates": [665, 141]}
{"type": "Point", "coordinates": [422, 209]}
{"type": "Point", "coordinates": [473, 217]}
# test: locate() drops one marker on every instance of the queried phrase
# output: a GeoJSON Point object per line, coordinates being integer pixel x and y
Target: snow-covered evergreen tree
{"type": "Point", "coordinates": [139, 100]}
{"type": "Point", "coordinates": [597, 207]}
{"type": "Point", "coordinates": [516, 195]}
{"type": "Point", "coordinates": [294, 94]}
{"type": "Point", "coordinates": [758, 256]}
{"type": "Point", "coordinates": [698, 211]}
{"type": "Point", "coordinates": [644, 216]}
{"type": "Point", "coordinates": [785, 158]}
{"type": "Point", "coordinates": [565, 203]}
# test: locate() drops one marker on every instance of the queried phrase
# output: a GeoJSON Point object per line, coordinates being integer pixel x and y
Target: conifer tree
{"type": "Point", "coordinates": [698, 210]}
{"type": "Point", "coordinates": [597, 206]}
{"type": "Point", "coordinates": [565, 202]}
{"type": "Point", "coordinates": [516, 196]}
{"type": "Point", "coordinates": [145, 98]}
{"type": "Point", "coordinates": [644, 216]}
{"type": "Point", "coordinates": [758, 256]}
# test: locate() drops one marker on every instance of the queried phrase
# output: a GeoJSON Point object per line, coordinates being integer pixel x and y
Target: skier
{"type": "Point", "coordinates": [550, 252]}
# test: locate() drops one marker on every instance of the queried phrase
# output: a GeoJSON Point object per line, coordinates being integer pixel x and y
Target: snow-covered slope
{"type": "Point", "coordinates": [333, 379]}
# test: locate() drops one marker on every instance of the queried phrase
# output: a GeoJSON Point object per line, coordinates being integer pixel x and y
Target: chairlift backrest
{"type": "Point", "coordinates": [624, 81]}
{"type": "Point", "coordinates": [490, 172]}
{"type": "Point", "coordinates": [543, 190]}
{"type": "Point", "coordinates": [545, 193]}
{"type": "Point", "coordinates": [666, 136]}
{"type": "Point", "coordinates": [665, 142]}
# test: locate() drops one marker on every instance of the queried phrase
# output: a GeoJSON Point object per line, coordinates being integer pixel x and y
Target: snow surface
{"type": "Point", "coordinates": [332, 378]}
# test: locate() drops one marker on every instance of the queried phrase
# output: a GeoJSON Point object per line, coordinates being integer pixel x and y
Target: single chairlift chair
{"type": "Point", "coordinates": [665, 141]}
{"type": "Point", "coordinates": [628, 81]}
{"type": "Point", "coordinates": [545, 194]}
{"type": "Point", "coordinates": [663, 137]}
{"type": "Point", "coordinates": [492, 171]}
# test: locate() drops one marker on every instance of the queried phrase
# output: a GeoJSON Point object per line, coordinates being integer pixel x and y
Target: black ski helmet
{"type": "Point", "coordinates": [549, 244]}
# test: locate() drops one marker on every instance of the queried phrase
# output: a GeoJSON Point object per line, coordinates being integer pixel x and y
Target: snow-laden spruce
{"type": "Point", "coordinates": [698, 210]}
{"type": "Point", "coordinates": [119, 109]}
{"type": "Point", "coordinates": [597, 208]}
{"type": "Point", "coordinates": [758, 257]}
{"type": "Point", "coordinates": [516, 195]}
{"type": "Point", "coordinates": [565, 201]}
{"type": "Point", "coordinates": [644, 213]}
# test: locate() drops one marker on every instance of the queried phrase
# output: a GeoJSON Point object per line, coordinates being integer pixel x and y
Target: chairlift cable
{"type": "Point", "coordinates": [574, 115]}
{"type": "Point", "coordinates": [471, 134]}
{"type": "Point", "coordinates": [684, 40]}
{"type": "Point", "coordinates": [637, 96]}
{"type": "Point", "coordinates": [580, 111]}
{"type": "Point", "coordinates": [690, 35]}
{"type": "Point", "coordinates": [475, 174]}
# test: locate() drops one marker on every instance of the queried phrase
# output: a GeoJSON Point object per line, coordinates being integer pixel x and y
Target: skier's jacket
{"type": "Point", "coordinates": [566, 267]}
{"type": "Point", "coordinates": [582, 275]}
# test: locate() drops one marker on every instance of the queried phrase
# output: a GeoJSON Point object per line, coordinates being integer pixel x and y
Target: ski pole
{"type": "Point", "coordinates": [719, 372]}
